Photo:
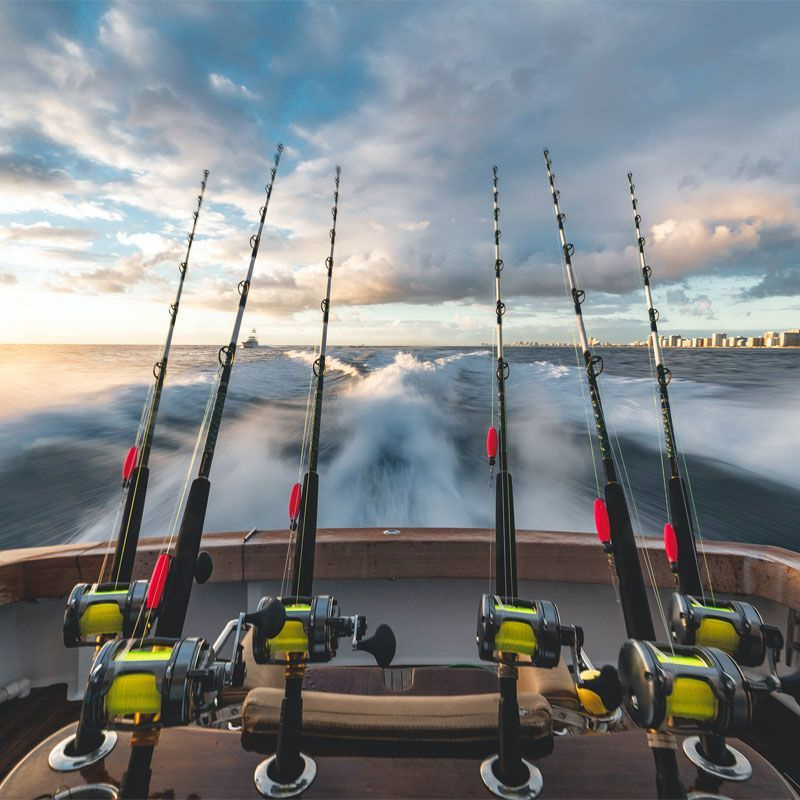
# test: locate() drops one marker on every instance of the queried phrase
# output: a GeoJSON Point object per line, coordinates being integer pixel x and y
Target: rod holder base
{"type": "Point", "coordinates": [91, 791]}
{"type": "Point", "coordinates": [61, 760]}
{"type": "Point", "coordinates": [267, 787]}
{"type": "Point", "coordinates": [700, 795]}
{"type": "Point", "coordinates": [525, 791]}
{"type": "Point", "coordinates": [740, 770]}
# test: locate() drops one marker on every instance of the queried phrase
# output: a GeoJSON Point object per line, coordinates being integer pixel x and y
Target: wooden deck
{"type": "Point", "coordinates": [194, 763]}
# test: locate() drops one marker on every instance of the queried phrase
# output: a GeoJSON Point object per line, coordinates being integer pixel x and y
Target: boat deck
{"type": "Point", "coordinates": [207, 763]}
{"type": "Point", "coordinates": [213, 763]}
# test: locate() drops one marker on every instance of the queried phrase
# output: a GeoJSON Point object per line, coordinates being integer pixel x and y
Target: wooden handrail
{"type": "Point", "coordinates": [771, 573]}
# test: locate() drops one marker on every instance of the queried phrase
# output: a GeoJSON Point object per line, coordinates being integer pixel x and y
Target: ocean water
{"type": "Point", "coordinates": [402, 438]}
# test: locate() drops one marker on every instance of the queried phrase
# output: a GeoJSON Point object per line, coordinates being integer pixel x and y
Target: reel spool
{"type": "Point", "coordinates": [732, 626]}
{"type": "Point", "coordinates": [522, 627]}
{"type": "Point", "coordinates": [313, 627]}
{"type": "Point", "coordinates": [102, 610]}
{"type": "Point", "coordinates": [693, 689]}
{"type": "Point", "coordinates": [112, 610]}
{"type": "Point", "coordinates": [155, 683]}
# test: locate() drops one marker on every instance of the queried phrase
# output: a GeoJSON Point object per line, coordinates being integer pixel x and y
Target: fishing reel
{"type": "Point", "coordinates": [120, 610]}
{"type": "Point", "coordinates": [732, 626]}
{"type": "Point", "coordinates": [514, 627]}
{"type": "Point", "coordinates": [160, 682]}
{"type": "Point", "coordinates": [313, 628]}
{"type": "Point", "coordinates": [155, 683]}
{"type": "Point", "coordinates": [521, 627]}
{"type": "Point", "coordinates": [684, 688]}
{"type": "Point", "coordinates": [697, 690]}
{"type": "Point", "coordinates": [104, 610]}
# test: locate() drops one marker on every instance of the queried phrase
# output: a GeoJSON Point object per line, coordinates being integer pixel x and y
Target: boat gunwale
{"type": "Point", "coordinates": [767, 572]}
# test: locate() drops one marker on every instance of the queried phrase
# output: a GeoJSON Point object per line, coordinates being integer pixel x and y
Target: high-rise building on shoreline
{"type": "Point", "coordinates": [788, 338]}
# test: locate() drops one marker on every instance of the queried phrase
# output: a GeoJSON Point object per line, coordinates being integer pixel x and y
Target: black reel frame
{"type": "Point", "coordinates": [756, 640]}
{"type": "Point", "coordinates": [541, 616]}
{"type": "Point", "coordinates": [183, 682]}
{"type": "Point", "coordinates": [188, 682]}
{"type": "Point", "coordinates": [323, 626]}
{"type": "Point", "coordinates": [129, 598]}
{"type": "Point", "coordinates": [549, 635]}
{"type": "Point", "coordinates": [649, 673]}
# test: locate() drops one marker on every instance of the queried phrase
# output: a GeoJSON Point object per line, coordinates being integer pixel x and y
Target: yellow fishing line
{"type": "Point", "coordinates": [717, 633]}
{"type": "Point", "coordinates": [100, 618]}
{"type": "Point", "coordinates": [291, 639]}
{"type": "Point", "coordinates": [691, 698]}
{"type": "Point", "coordinates": [515, 637]}
{"type": "Point", "coordinates": [133, 694]}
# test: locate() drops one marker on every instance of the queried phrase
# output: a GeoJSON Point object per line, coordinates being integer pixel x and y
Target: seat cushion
{"type": "Point", "coordinates": [555, 684]}
{"type": "Point", "coordinates": [451, 718]}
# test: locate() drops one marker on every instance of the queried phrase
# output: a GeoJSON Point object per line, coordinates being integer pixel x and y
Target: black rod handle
{"type": "Point", "coordinates": [182, 570]}
{"type": "Point", "coordinates": [130, 526]}
{"type": "Point", "coordinates": [632, 592]}
{"type": "Point", "coordinates": [688, 569]}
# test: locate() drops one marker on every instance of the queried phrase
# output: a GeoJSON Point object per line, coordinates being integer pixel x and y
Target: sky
{"type": "Point", "coordinates": [109, 113]}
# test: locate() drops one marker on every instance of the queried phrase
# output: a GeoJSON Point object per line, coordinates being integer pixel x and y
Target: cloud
{"type": "Point", "coordinates": [121, 34]}
{"type": "Point", "coordinates": [104, 116]}
{"type": "Point", "coordinates": [698, 306]}
{"type": "Point", "coordinates": [44, 234]}
{"type": "Point", "coordinates": [422, 225]}
{"type": "Point", "coordinates": [126, 274]}
{"type": "Point", "coordinates": [225, 85]}
{"type": "Point", "coordinates": [781, 282]}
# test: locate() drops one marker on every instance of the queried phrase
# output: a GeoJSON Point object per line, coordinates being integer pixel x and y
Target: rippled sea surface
{"type": "Point", "coordinates": [402, 439]}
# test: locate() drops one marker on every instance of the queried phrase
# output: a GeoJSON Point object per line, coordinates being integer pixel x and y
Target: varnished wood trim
{"type": "Point", "coordinates": [768, 572]}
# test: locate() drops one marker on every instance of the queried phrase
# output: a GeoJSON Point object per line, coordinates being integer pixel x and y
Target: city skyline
{"type": "Point", "coordinates": [111, 112]}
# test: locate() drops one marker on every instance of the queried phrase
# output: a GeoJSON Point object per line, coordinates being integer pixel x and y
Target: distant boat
{"type": "Point", "coordinates": [252, 340]}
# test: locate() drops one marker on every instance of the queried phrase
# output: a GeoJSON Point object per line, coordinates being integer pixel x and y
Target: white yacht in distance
{"type": "Point", "coordinates": [252, 340]}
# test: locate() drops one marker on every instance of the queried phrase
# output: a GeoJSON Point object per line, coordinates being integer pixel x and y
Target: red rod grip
{"type": "Point", "coordinates": [130, 462]}
{"type": "Point", "coordinates": [602, 522]}
{"type": "Point", "coordinates": [671, 543]}
{"type": "Point", "coordinates": [294, 502]}
{"type": "Point", "coordinates": [491, 445]}
{"type": "Point", "coordinates": [158, 580]}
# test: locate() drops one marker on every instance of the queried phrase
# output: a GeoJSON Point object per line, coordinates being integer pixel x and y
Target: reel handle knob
{"type": "Point", "coordinates": [269, 620]}
{"type": "Point", "coordinates": [382, 645]}
{"type": "Point", "coordinates": [600, 691]}
{"type": "Point", "coordinates": [203, 567]}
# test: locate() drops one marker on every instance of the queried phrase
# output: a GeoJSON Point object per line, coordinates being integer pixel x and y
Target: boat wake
{"type": "Point", "coordinates": [402, 445]}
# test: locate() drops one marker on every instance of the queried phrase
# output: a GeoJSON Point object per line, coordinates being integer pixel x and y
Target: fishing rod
{"type": "Point", "coordinates": [688, 570]}
{"type": "Point", "coordinates": [508, 768]}
{"type": "Point", "coordinates": [98, 611]}
{"type": "Point", "coordinates": [313, 623]}
{"type": "Point", "coordinates": [734, 627]}
{"type": "Point", "coordinates": [143, 684]}
{"type": "Point", "coordinates": [174, 575]}
{"type": "Point", "coordinates": [137, 460]}
{"type": "Point", "coordinates": [510, 627]}
{"type": "Point", "coordinates": [613, 519]}
{"type": "Point", "coordinates": [506, 564]}
{"type": "Point", "coordinates": [306, 520]}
